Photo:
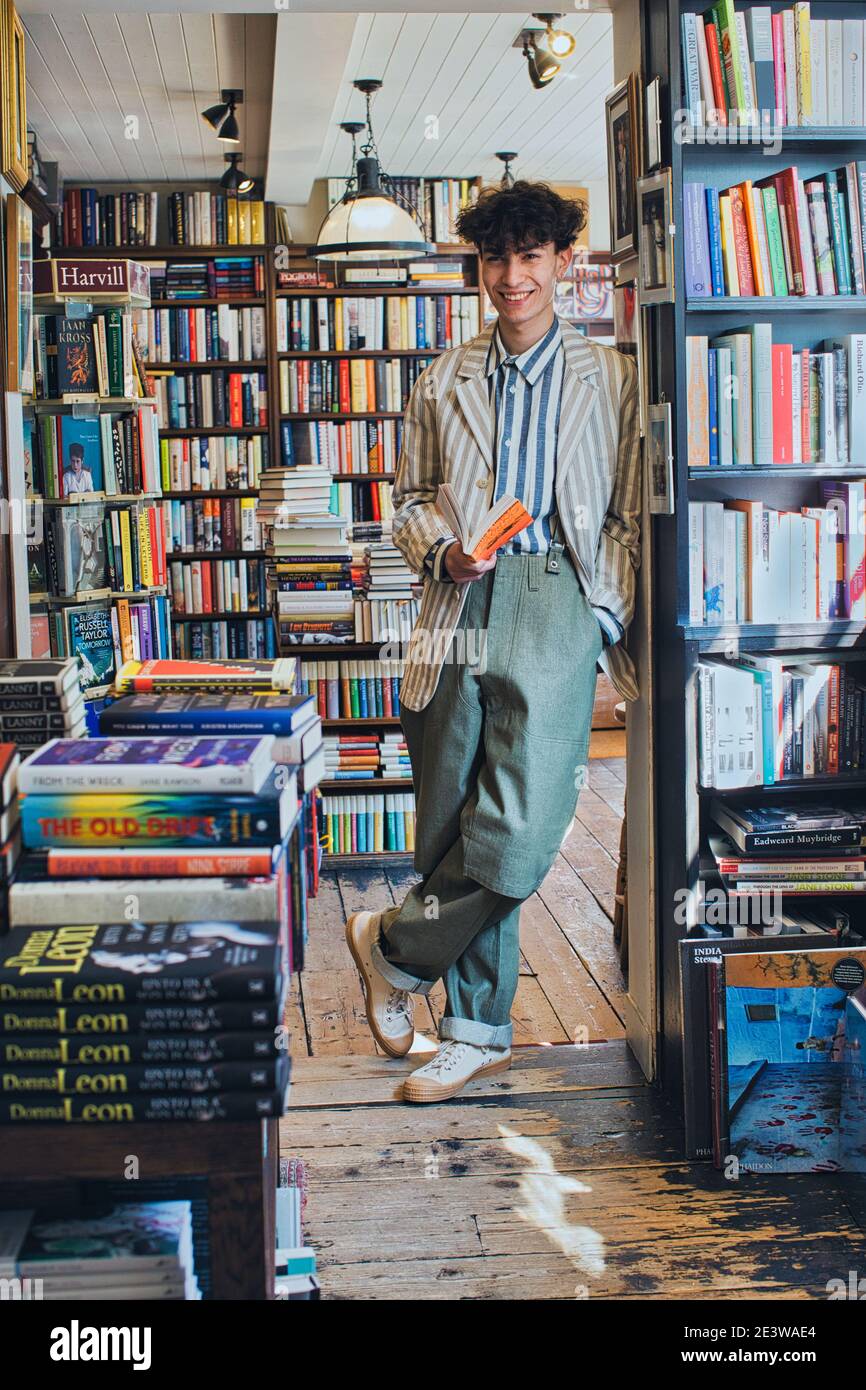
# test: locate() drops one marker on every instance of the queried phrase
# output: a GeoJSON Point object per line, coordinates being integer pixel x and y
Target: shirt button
{"type": "Point", "coordinates": [512, 389]}
{"type": "Point", "coordinates": [481, 483]}
{"type": "Point", "coordinates": [507, 441]}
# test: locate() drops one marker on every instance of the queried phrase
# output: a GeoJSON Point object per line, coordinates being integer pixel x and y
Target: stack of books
{"type": "Point", "coordinates": [353, 689]}
{"type": "Point", "coordinates": [347, 323]}
{"type": "Point", "coordinates": [782, 236]}
{"type": "Point", "coordinates": [760, 66]}
{"type": "Point", "coordinates": [760, 403]}
{"type": "Point", "coordinates": [167, 985]}
{"type": "Point", "coordinates": [366, 756]}
{"type": "Point", "coordinates": [217, 277]}
{"type": "Point", "coordinates": [793, 869]}
{"type": "Point", "coordinates": [89, 218]}
{"type": "Point", "coordinates": [387, 602]}
{"type": "Point", "coordinates": [310, 575]}
{"type": "Point", "coordinates": [134, 1250]}
{"type": "Point", "coordinates": [39, 700]}
{"type": "Point", "coordinates": [370, 508]}
{"type": "Point", "coordinates": [765, 718]}
{"type": "Point", "coordinates": [295, 1261]}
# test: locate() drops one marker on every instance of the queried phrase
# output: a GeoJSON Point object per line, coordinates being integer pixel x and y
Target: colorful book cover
{"type": "Point", "coordinates": [80, 456]}
{"type": "Point", "coordinates": [80, 539]}
{"type": "Point", "coordinates": [207, 714]}
{"type": "Point", "coordinates": [129, 963]}
{"type": "Point", "coordinates": [168, 674]}
{"type": "Point", "coordinates": [89, 638]}
{"type": "Point", "coordinates": [698, 276]}
{"type": "Point", "coordinates": [76, 360]}
{"type": "Point", "coordinates": [148, 764]}
{"type": "Point", "coordinates": [187, 820]}
{"type": "Point", "coordinates": [793, 1030]}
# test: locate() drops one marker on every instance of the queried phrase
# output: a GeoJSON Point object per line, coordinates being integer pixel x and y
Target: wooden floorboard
{"type": "Point", "coordinates": [560, 1179]}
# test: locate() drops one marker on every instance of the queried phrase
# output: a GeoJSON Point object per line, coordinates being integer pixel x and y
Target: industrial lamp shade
{"type": "Point", "coordinates": [369, 226]}
{"type": "Point", "coordinates": [229, 131]}
{"type": "Point", "coordinates": [214, 114]}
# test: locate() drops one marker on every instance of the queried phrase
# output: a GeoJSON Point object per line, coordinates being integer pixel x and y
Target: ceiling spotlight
{"type": "Point", "coordinates": [221, 117]}
{"type": "Point", "coordinates": [234, 180]}
{"type": "Point", "coordinates": [507, 180]}
{"type": "Point", "coordinates": [558, 41]}
{"type": "Point", "coordinates": [543, 67]}
{"type": "Point", "coordinates": [368, 223]}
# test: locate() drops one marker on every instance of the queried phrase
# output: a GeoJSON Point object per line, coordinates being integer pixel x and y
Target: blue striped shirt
{"type": "Point", "coordinates": [525, 395]}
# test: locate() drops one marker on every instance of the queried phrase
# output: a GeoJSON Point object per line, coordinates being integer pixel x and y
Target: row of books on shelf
{"type": "Point", "coordinates": [94, 356]}
{"type": "Point", "coordinates": [100, 634]}
{"type": "Point", "coordinates": [211, 524]}
{"type": "Point", "coordinates": [91, 218]}
{"type": "Point", "coordinates": [356, 385]}
{"type": "Point", "coordinates": [353, 688]}
{"type": "Point", "coordinates": [69, 457]}
{"type": "Point", "coordinates": [350, 446]}
{"type": "Point", "coordinates": [759, 65]}
{"type": "Point", "coordinates": [429, 274]}
{"type": "Point", "coordinates": [225, 639]}
{"type": "Point", "coordinates": [217, 586]}
{"type": "Point", "coordinates": [376, 322]}
{"type": "Point", "coordinates": [208, 333]}
{"type": "Point", "coordinates": [96, 547]}
{"type": "Point", "coordinates": [218, 400]}
{"type": "Point", "coordinates": [213, 463]}
{"type": "Point", "coordinates": [757, 403]}
{"type": "Point", "coordinates": [783, 846]}
{"type": "Point", "coordinates": [374, 823]}
{"type": "Point", "coordinates": [370, 503]}
{"type": "Point", "coordinates": [780, 236]}
{"type": "Point", "coordinates": [764, 719]}
{"type": "Point", "coordinates": [366, 756]}
{"type": "Point", "coordinates": [437, 201]}
{"type": "Point", "coordinates": [749, 563]}
{"type": "Point", "coordinates": [213, 277]}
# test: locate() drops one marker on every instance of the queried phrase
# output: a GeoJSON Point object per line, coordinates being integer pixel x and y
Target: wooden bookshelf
{"type": "Point", "coordinates": [724, 160]}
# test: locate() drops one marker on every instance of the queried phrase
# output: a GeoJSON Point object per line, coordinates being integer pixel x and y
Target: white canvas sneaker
{"type": "Point", "coordinates": [454, 1064]}
{"type": "Point", "coordinates": [390, 1011]}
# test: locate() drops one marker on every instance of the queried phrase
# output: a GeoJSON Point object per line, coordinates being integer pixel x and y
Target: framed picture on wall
{"type": "Point", "coordinates": [14, 96]}
{"type": "Point", "coordinates": [653, 126]}
{"type": "Point", "coordinates": [656, 263]}
{"type": "Point", "coordinates": [658, 453]}
{"type": "Point", "coordinates": [623, 120]}
{"type": "Point", "coordinates": [19, 296]}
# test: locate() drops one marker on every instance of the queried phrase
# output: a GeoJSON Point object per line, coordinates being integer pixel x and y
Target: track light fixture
{"type": "Point", "coordinates": [507, 156]}
{"type": "Point", "coordinates": [557, 41]}
{"type": "Point", "coordinates": [543, 67]}
{"type": "Point", "coordinates": [368, 223]}
{"type": "Point", "coordinates": [221, 117]}
{"type": "Point", "coordinates": [234, 180]}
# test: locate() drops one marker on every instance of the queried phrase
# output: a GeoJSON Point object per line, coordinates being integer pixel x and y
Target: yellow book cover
{"type": "Point", "coordinates": [245, 225]}
{"type": "Point", "coordinates": [285, 393]}
{"type": "Point", "coordinates": [395, 335]}
{"type": "Point", "coordinates": [729, 250]}
{"type": "Point", "coordinates": [752, 231]}
{"type": "Point", "coordinates": [372, 403]}
{"type": "Point", "coordinates": [359, 387]}
{"type": "Point", "coordinates": [232, 220]}
{"type": "Point", "coordinates": [803, 44]}
{"type": "Point", "coordinates": [145, 556]}
{"type": "Point", "coordinates": [257, 222]}
{"type": "Point", "coordinates": [165, 464]}
{"type": "Point", "coordinates": [404, 320]}
{"type": "Point", "coordinates": [338, 325]}
{"type": "Point", "coordinates": [126, 550]}
{"type": "Point", "coordinates": [124, 627]}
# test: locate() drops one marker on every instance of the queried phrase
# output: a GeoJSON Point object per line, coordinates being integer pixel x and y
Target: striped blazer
{"type": "Point", "coordinates": [448, 436]}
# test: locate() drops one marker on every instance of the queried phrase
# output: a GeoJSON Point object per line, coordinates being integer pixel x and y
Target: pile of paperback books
{"type": "Point", "coordinates": [39, 700]}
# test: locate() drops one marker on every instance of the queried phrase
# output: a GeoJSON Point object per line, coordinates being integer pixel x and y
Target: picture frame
{"type": "Point", "coordinates": [14, 97]}
{"type": "Point", "coordinates": [659, 458]}
{"type": "Point", "coordinates": [656, 260]}
{"type": "Point", "coordinates": [19, 296]}
{"type": "Point", "coordinates": [652, 125]}
{"type": "Point", "coordinates": [624, 163]}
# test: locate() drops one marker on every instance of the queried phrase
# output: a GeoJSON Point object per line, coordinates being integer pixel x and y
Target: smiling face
{"type": "Point", "coordinates": [521, 286]}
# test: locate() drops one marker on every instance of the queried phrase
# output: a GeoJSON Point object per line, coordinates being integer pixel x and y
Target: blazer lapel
{"type": "Point", "coordinates": [472, 394]}
{"type": "Point", "coordinates": [579, 401]}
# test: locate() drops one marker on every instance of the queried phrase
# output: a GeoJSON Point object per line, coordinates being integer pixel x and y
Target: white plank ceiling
{"type": "Point", "coordinates": [86, 74]}
{"type": "Point", "coordinates": [463, 70]}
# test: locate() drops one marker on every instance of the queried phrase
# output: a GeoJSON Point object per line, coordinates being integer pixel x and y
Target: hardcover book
{"type": "Point", "coordinates": [89, 638]}
{"type": "Point", "coordinates": [76, 360]}
{"type": "Point", "coordinates": [207, 714]}
{"type": "Point", "coordinates": [80, 456]}
{"type": "Point", "coordinates": [148, 764]}
{"type": "Point", "coordinates": [166, 674]}
{"type": "Point", "coordinates": [120, 1020]}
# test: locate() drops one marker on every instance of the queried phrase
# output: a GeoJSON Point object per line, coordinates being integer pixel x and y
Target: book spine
{"type": "Point", "coordinates": [69, 820]}
{"type": "Point", "coordinates": [229, 1105]}
{"type": "Point", "coordinates": [115, 1080]}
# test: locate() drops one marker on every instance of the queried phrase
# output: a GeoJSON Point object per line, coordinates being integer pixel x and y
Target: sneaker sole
{"type": "Point", "coordinates": [426, 1092]}
{"type": "Point", "coordinates": [393, 1049]}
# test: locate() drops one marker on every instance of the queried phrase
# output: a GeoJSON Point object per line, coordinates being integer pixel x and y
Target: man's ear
{"type": "Point", "coordinates": [563, 261]}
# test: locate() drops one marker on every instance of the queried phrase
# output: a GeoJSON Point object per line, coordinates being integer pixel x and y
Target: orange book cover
{"type": "Point", "coordinates": [372, 402]}
{"type": "Point", "coordinates": [500, 531]}
{"type": "Point", "coordinates": [742, 247]}
{"type": "Point", "coordinates": [127, 652]}
{"type": "Point", "coordinates": [83, 863]}
{"type": "Point", "coordinates": [752, 232]}
{"type": "Point", "coordinates": [345, 388]}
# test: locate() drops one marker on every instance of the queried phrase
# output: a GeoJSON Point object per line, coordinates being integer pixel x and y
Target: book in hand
{"type": "Point", "coordinates": [148, 764]}
{"type": "Point", "coordinates": [505, 519]}
{"type": "Point", "coordinates": [125, 963]}
{"type": "Point", "coordinates": [186, 820]}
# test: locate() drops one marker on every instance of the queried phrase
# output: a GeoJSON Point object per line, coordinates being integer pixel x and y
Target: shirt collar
{"type": "Point", "coordinates": [531, 363]}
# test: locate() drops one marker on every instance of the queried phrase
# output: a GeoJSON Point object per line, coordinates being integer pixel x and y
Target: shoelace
{"type": "Point", "coordinates": [399, 1003]}
{"type": "Point", "coordinates": [447, 1058]}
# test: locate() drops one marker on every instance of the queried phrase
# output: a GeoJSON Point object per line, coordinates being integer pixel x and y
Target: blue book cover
{"type": "Point", "coordinates": [698, 275]}
{"type": "Point", "coordinates": [713, 395]}
{"type": "Point", "coordinates": [80, 456]}
{"type": "Point", "coordinates": [183, 713]}
{"type": "Point", "coordinates": [227, 763]}
{"type": "Point", "coordinates": [714, 230]}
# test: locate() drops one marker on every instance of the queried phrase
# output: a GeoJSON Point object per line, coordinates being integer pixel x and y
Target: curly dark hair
{"type": "Point", "coordinates": [520, 217]}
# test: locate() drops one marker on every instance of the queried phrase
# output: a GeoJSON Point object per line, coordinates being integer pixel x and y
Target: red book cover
{"type": "Point", "coordinates": [345, 387]}
{"type": "Point", "coordinates": [716, 77]}
{"type": "Point", "coordinates": [83, 863]}
{"type": "Point", "coordinates": [805, 403]}
{"type": "Point", "coordinates": [786, 193]}
{"type": "Point", "coordinates": [374, 502]}
{"type": "Point", "coordinates": [833, 720]}
{"type": "Point", "coordinates": [779, 66]}
{"type": "Point", "coordinates": [783, 420]}
{"type": "Point", "coordinates": [742, 248]}
{"type": "Point", "coordinates": [193, 352]}
{"type": "Point", "coordinates": [235, 407]}
{"type": "Point", "coordinates": [207, 603]}
{"type": "Point", "coordinates": [448, 339]}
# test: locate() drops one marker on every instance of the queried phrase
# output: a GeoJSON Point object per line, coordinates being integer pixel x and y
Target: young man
{"type": "Point", "coordinates": [499, 744]}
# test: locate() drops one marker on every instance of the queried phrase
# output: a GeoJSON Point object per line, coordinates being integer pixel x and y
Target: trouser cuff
{"type": "Point", "coordinates": [397, 977]}
{"type": "Point", "coordinates": [469, 1030]}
